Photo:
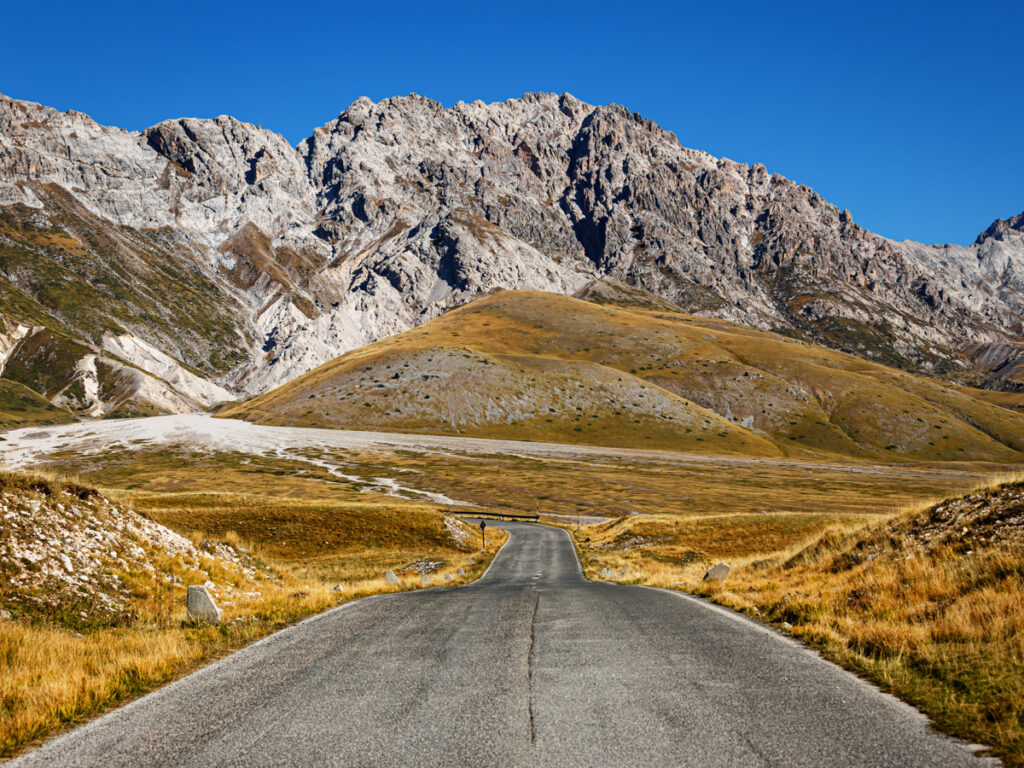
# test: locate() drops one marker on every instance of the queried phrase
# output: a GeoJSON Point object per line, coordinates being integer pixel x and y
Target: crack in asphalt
{"type": "Point", "coordinates": [529, 666]}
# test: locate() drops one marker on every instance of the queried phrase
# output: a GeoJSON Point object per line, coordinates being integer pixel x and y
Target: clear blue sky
{"type": "Point", "coordinates": [909, 114]}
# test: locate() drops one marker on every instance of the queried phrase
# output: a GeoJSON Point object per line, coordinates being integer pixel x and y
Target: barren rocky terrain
{"type": "Point", "coordinates": [168, 270]}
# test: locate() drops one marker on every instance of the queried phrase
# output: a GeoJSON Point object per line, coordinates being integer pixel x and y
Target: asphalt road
{"type": "Point", "coordinates": [530, 666]}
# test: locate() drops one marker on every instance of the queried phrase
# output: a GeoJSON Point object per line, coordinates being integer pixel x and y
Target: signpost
{"type": "Point", "coordinates": [483, 534]}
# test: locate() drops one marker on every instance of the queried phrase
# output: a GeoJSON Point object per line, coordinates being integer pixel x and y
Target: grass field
{"type": "Point", "coordinates": [610, 483]}
{"type": "Point", "coordinates": [325, 514]}
{"type": "Point", "coordinates": [928, 604]}
{"type": "Point", "coordinates": [21, 407]}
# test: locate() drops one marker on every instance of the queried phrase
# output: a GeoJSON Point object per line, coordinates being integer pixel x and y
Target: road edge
{"type": "Point", "coordinates": [127, 704]}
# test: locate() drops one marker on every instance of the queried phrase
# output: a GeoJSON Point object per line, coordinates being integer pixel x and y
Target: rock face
{"type": "Point", "coordinates": [200, 605]}
{"type": "Point", "coordinates": [204, 258]}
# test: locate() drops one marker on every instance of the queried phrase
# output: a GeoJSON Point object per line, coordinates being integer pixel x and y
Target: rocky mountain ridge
{"type": "Point", "coordinates": [202, 259]}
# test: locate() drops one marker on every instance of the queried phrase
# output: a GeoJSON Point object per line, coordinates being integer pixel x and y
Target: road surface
{"type": "Point", "coordinates": [530, 666]}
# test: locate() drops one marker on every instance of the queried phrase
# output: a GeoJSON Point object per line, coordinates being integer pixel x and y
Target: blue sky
{"type": "Point", "coordinates": [909, 114]}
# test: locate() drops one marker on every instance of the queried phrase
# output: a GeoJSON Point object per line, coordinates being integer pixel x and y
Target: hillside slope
{"type": "Point", "coordinates": [633, 372]}
{"type": "Point", "coordinates": [199, 259]}
{"type": "Point", "coordinates": [927, 603]}
{"type": "Point", "coordinates": [22, 407]}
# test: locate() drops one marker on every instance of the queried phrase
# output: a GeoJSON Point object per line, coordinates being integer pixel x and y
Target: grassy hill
{"type": "Point", "coordinates": [622, 368]}
{"type": "Point", "coordinates": [21, 407]}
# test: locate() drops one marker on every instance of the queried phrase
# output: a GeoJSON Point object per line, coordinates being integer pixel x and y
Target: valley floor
{"type": "Point", "coordinates": [337, 505]}
{"type": "Point", "coordinates": [398, 464]}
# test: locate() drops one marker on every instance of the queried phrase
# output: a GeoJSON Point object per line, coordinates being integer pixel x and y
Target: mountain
{"type": "Point", "coordinates": [179, 267]}
{"type": "Point", "coordinates": [627, 369]}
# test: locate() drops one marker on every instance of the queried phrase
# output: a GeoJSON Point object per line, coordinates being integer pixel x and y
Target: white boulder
{"type": "Point", "coordinates": [718, 573]}
{"type": "Point", "coordinates": [201, 606]}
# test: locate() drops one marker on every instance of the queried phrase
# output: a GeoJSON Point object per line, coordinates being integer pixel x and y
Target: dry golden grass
{"type": "Point", "coordinates": [652, 483]}
{"type": "Point", "coordinates": [690, 511]}
{"type": "Point", "coordinates": [928, 611]}
{"type": "Point", "coordinates": [52, 676]}
{"type": "Point", "coordinates": [322, 540]}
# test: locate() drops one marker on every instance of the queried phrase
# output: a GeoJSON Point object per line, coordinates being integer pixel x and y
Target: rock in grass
{"type": "Point", "coordinates": [718, 573]}
{"type": "Point", "coordinates": [623, 571]}
{"type": "Point", "coordinates": [461, 572]}
{"type": "Point", "coordinates": [425, 578]}
{"type": "Point", "coordinates": [201, 606]}
{"type": "Point", "coordinates": [337, 588]}
{"type": "Point", "coordinates": [390, 578]}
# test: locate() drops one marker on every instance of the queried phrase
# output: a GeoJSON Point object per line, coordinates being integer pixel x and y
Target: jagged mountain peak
{"type": "Point", "coordinates": [1002, 229]}
{"type": "Point", "coordinates": [399, 209]}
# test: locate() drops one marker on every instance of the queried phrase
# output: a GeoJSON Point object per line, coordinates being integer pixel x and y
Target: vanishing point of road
{"type": "Point", "coordinates": [532, 665]}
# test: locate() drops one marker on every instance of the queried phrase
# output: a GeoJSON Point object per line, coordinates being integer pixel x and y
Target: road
{"type": "Point", "coordinates": [530, 666]}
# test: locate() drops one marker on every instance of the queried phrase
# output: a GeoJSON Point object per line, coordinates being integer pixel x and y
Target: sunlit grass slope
{"type": "Point", "coordinates": [535, 366]}
{"type": "Point", "coordinates": [22, 407]}
{"type": "Point", "coordinates": [929, 603]}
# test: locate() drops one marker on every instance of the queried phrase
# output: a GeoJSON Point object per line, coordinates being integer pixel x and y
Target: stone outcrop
{"type": "Point", "coordinates": [214, 249]}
